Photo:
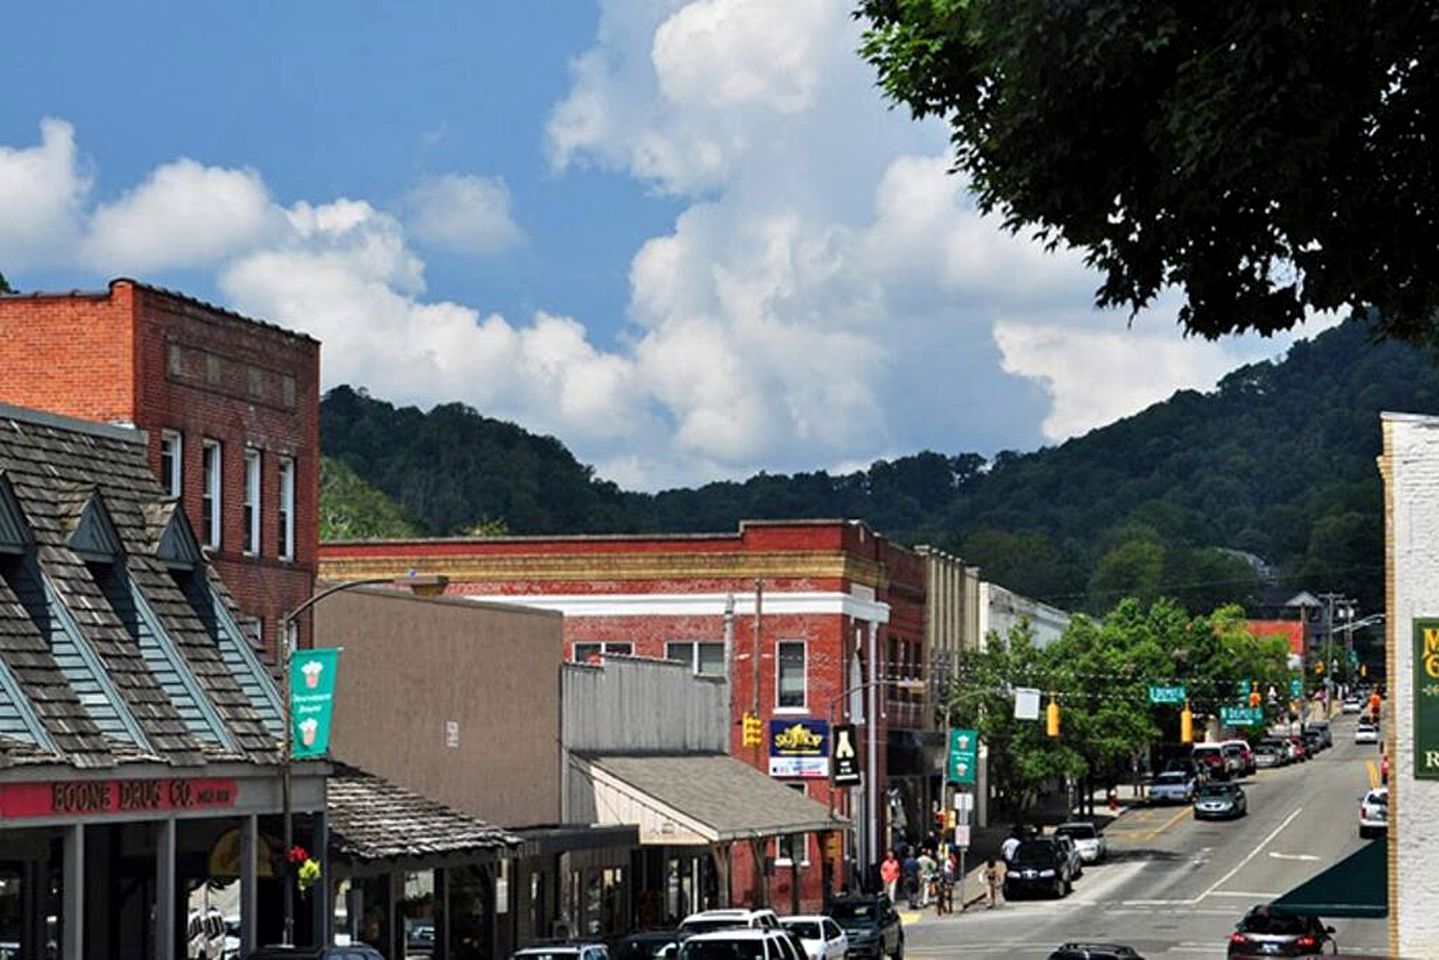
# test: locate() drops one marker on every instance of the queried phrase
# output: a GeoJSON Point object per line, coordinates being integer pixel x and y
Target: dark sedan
{"type": "Point", "coordinates": [1038, 866]}
{"type": "Point", "coordinates": [1265, 934]}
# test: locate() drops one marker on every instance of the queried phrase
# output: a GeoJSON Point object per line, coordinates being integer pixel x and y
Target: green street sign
{"type": "Point", "coordinates": [1242, 688]}
{"type": "Point", "coordinates": [1296, 687]}
{"type": "Point", "coordinates": [1241, 716]}
{"type": "Point", "coordinates": [963, 756]}
{"type": "Point", "coordinates": [1426, 699]}
{"type": "Point", "coordinates": [312, 695]}
{"type": "Point", "coordinates": [1175, 695]}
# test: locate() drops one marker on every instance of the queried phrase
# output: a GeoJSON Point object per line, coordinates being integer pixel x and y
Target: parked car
{"type": "Point", "coordinates": [1301, 752]}
{"type": "Point", "coordinates": [1265, 934]}
{"type": "Point", "coordinates": [359, 951]}
{"type": "Point", "coordinates": [1210, 757]}
{"type": "Point", "coordinates": [1038, 866]}
{"type": "Point", "coordinates": [1220, 801]}
{"type": "Point", "coordinates": [1351, 705]}
{"type": "Point", "coordinates": [728, 919]}
{"type": "Point", "coordinates": [821, 936]}
{"type": "Point", "coordinates": [1091, 843]}
{"type": "Point", "coordinates": [1282, 746]}
{"type": "Point", "coordinates": [1366, 732]}
{"type": "Point", "coordinates": [1325, 730]}
{"type": "Point", "coordinates": [872, 925]}
{"type": "Point", "coordinates": [740, 943]}
{"type": "Point", "coordinates": [1374, 813]}
{"type": "Point", "coordinates": [1071, 850]}
{"type": "Point", "coordinates": [1313, 741]}
{"type": "Point", "coordinates": [1267, 756]}
{"type": "Point", "coordinates": [1173, 787]}
{"type": "Point", "coordinates": [1241, 755]}
{"type": "Point", "coordinates": [1184, 765]}
{"type": "Point", "coordinates": [1094, 951]}
{"type": "Point", "coordinates": [649, 945]}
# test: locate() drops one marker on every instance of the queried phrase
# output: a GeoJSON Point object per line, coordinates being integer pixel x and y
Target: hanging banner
{"type": "Point", "coordinates": [846, 757]}
{"type": "Point", "coordinates": [312, 698]}
{"type": "Point", "coordinates": [963, 756]}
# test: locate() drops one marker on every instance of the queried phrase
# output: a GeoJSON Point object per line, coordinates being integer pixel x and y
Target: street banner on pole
{"type": "Point", "coordinates": [1175, 695]}
{"type": "Point", "coordinates": [312, 699]}
{"type": "Point", "coordinates": [963, 756]}
{"type": "Point", "coordinates": [846, 758]}
{"type": "Point", "coordinates": [1426, 699]}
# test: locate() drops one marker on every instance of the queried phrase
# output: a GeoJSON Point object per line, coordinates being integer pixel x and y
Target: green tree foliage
{"type": "Point", "coordinates": [1277, 461]}
{"type": "Point", "coordinates": [1264, 158]}
{"type": "Point", "coordinates": [351, 509]}
{"type": "Point", "coordinates": [5, 285]}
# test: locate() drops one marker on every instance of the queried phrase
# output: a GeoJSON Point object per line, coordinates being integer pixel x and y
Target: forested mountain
{"type": "Point", "coordinates": [1277, 462]}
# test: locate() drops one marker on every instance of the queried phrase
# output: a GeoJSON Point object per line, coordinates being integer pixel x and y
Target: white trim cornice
{"type": "Point", "coordinates": [814, 603]}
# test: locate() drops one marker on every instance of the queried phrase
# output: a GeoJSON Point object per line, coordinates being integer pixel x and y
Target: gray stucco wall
{"type": "Point", "coordinates": [455, 699]}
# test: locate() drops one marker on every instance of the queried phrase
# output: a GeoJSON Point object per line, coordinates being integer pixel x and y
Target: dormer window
{"type": "Point", "coordinates": [15, 536]}
{"type": "Point", "coordinates": [94, 537]}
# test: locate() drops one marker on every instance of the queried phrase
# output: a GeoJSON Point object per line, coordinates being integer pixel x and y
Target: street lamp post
{"type": "Point", "coordinates": [289, 634]}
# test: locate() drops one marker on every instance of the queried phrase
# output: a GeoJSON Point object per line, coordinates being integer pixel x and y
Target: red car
{"type": "Point", "coordinates": [1301, 752]}
{"type": "Point", "coordinates": [1210, 759]}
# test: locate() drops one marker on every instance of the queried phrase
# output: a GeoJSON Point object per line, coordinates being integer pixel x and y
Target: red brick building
{"type": "Point", "coordinates": [230, 404]}
{"type": "Point", "coordinates": [835, 598]}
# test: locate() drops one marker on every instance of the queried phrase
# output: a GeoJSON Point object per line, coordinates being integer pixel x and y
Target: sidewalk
{"type": "Point", "coordinates": [986, 841]}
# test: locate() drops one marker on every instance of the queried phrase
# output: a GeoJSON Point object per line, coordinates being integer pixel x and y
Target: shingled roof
{"type": "Point", "coordinates": [372, 819]}
{"type": "Point", "coordinates": [104, 656]}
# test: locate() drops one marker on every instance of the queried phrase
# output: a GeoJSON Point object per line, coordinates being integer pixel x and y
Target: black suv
{"type": "Point", "coordinates": [1038, 866]}
{"type": "Point", "coordinates": [872, 925]}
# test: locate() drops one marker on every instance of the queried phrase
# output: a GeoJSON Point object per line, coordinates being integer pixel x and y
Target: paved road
{"type": "Point", "coordinates": [1175, 887]}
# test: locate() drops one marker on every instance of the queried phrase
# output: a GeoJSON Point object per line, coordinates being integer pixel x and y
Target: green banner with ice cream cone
{"type": "Point", "coordinates": [312, 697]}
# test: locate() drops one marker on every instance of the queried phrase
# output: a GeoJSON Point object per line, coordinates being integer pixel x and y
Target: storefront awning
{"type": "Point", "coordinates": [698, 799]}
{"type": "Point", "coordinates": [1357, 886]}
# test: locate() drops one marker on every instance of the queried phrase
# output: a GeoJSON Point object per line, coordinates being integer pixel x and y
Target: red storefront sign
{"type": "Point", "coordinates": [81, 798]}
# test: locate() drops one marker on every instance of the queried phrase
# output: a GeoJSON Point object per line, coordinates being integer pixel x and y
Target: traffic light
{"type": "Point", "coordinates": [1186, 725]}
{"type": "Point", "coordinates": [1363, 669]}
{"type": "Point", "coordinates": [1051, 718]}
{"type": "Point", "coordinates": [950, 819]}
{"type": "Point", "coordinates": [1254, 698]}
{"type": "Point", "coordinates": [753, 731]}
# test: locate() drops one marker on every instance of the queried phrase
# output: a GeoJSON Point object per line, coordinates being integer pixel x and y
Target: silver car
{"type": "Point", "coordinates": [1089, 841]}
{"type": "Point", "coordinates": [1172, 787]}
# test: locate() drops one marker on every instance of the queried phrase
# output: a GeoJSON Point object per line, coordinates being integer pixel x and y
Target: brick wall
{"type": "Point", "coordinates": [70, 354]}
{"type": "Point", "coordinates": [209, 375]}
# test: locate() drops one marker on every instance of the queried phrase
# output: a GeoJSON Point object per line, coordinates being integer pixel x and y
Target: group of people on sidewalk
{"type": "Point", "coordinates": [924, 876]}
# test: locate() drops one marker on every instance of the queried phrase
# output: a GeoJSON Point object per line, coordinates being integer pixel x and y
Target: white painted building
{"type": "Point", "coordinates": [1000, 610]}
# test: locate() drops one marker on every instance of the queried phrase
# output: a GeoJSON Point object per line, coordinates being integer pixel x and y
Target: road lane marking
{"type": "Point", "coordinates": [1243, 893]}
{"type": "Point", "coordinates": [1167, 824]}
{"type": "Point", "coordinates": [1373, 774]}
{"type": "Point", "coordinates": [1252, 854]}
{"type": "Point", "coordinates": [1292, 856]}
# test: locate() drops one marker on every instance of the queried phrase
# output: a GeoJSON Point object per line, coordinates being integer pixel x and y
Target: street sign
{"type": "Point", "coordinates": [1174, 695]}
{"type": "Point", "coordinates": [961, 836]}
{"type": "Point", "coordinates": [1242, 688]}
{"type": "Point", "coordinates": [963, 802]}
{"type": "Point", "coordinates": [1026, 703]}
{"type": "Point", "coordinates": [1241, 716]}
{"type": "Point", "coordinates": [846, 758]}
{"type": "Point", "coordinates": [963, 755]}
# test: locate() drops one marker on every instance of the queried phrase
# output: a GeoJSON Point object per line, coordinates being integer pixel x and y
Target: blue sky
{"type": "Point", "coordinates": [685, 236]}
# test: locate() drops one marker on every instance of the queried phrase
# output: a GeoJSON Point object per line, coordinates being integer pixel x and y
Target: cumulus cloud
{"type": "Point", "coordinates": [43, 190]}
{"type": "Point", "coordinates": [185, 214]}
{"type": "Point", "coordinates": [462, 213]}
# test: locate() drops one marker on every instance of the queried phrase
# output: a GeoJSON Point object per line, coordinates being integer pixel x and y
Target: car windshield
{"type": "Point", "coordinates": [854, 912]}
{"type": "Point", "coordinates": [746, 949]}
{"type": "Point", "coordinates": [710, 924]}
{"type": "Point", "coordinates": [1170, 778]}
{"type": "Point", "coordinates": [559, 953]}
{"type": "Point", "coordinates": [1221, 790]}
{"type": "Point", "coordinates": [643, 948]}
{"type": "Point", "coordinates": [1379, 797]}
{"type": "Point", "coordinates": [808, 929]}
{"type": "Point", "coordinates": [1035, 852]}
{"type": "Point", "coordinates": [1273, 924]}
{"type": "Point", "coordinates": [1078, 831]}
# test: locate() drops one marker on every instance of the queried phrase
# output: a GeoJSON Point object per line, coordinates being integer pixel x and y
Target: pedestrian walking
{"type": "Point", "coordinates": [993, 880]}
{"type": "Point", "coordinates": [889, 875]}
{"type": "Point", "coordinates": [1010, 844]}
{"type": "Point", "coordinates": [910, 870]}
{"type": "Point", "coordinates": [928, 878]}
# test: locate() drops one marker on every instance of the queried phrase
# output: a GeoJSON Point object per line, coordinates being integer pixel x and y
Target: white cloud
{"type": "Point", "coordinates": [42, 193]}
{"type": "Point", "coordinates": [185, 214]}
{"type": "Point", "coordinates": [462, 213]}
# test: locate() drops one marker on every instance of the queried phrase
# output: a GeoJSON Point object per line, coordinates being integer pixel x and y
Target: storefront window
{"type": "Point", "coordinates": [12, 910]}
{"type": "Point", "coordinates": [371, 901]}
{"type": "Point", "coordinates": [418, 913]}
{"type": "Point", "coordinates": [470, 899]}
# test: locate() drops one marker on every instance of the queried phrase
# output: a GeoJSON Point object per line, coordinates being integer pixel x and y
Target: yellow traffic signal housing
{"type": "Point", "coordinates": [1186, 725]}
{"type": "Point", "coordinates": [1051, 719]}
{"type": "Point", "coordinates": [752, 731]}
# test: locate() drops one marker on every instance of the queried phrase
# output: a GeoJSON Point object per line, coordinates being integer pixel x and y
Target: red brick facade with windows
{"type": "Point", "coordinates": [824, 584]}
{"type": "Point", "coordinates": [165, 362]}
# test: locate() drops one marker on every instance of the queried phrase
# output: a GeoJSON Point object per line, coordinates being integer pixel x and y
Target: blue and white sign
{"type": "Point", "coordinates": [799, 747]}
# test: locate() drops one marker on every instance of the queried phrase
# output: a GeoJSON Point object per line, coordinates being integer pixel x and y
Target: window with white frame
{"type": "Point", "coordinates": [790, 675]}
{"type": "Point", "coordinates": [212, 462]}
{"type": "Point", "coordinates": [252, 502]}
{"type": "Point", "coordinates": [585, 652]}
{"type": "Point", "coordinates": [172, 458]}
{"type": "Point", "coordinates": [705, 658]}
{"type": "Point", "coordinates": [792, 847]}
{"type": "Point", "coordinates": [285, 508]}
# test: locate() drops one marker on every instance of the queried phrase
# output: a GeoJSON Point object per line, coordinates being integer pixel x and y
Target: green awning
{"type": "Point", "coordinates": [1357, 886]}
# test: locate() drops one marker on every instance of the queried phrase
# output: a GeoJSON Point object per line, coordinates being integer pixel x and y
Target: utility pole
{"type": "Point", "coordinates": [755, 671]}
{"type": "Point", "coordinates": [729, 650]}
